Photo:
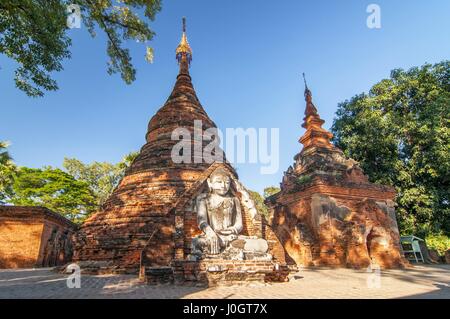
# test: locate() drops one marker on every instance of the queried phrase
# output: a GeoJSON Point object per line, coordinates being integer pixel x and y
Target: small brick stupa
{"type": "Point", "coordinates": [150, 220]}
{"type": "Point", "coordinates": [327, 212]}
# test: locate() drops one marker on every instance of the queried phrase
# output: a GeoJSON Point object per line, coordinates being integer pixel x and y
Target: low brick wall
{"type": "Point", "coordinates": [34, 237]}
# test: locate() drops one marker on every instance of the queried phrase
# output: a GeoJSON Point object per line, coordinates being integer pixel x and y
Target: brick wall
{"type": "Point", "coordinates": [367, 234]}
{"type": "Point", "coordinates": [33, 237]}
{"type": "Point", "coordinates": [20, 243]}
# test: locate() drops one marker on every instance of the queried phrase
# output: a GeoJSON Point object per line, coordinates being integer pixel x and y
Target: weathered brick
{"type": "Point", "coordinates": [34, 237]}
{"type": "Point", "coordinates": [327, 212]}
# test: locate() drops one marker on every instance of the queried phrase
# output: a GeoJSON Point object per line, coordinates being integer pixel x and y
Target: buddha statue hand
{"type": "Point", "coordinates": [228, 231]}
{"type": "Point", "coordinates": [213, 240]}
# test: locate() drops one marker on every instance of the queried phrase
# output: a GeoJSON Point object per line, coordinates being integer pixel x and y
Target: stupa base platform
{"type": "Point", "coordinates": [216, 272]}
{"type": "Point", "coordinates": [99, 267]}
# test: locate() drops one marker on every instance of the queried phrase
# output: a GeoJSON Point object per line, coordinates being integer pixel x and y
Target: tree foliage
{"type": "Point", "coordinates": [74, 193]}
{"type": "Point", "coordinates": [259, 203]}
{"type": "Point", "coordinates": [259, 200]}
{"type": "Point", "coordinates": [102, 177]}
{"type": "Point", "coordinates": [400, 134]}
{"type": "Point", "coordinates": [54, 189]}
{"type": "Point", "coordinates": [438, 242]}
{"type": "Point", "coordinates": [34, 34]}
{"type": "Point", "coordinates": [271, 190]}
{"type": "Point", "coordinates": [7, 170]}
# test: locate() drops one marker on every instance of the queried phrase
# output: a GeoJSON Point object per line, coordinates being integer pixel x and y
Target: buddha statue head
{"type": "Point", "coordinates": [219, 182]}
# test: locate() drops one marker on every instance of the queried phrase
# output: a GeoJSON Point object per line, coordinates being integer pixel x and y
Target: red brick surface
{"type": "Point", "coordinates": [33, 237]}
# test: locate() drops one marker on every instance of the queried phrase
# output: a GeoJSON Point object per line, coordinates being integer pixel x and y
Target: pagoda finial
{"type": "Point", "coordinates": [184, 51]}
{"type": "Point", "coordinates": [307, 91]}
{"type": "Point", "coordinates": [315, 135]}
{"type": "Point", "coordinates": [310, 108]}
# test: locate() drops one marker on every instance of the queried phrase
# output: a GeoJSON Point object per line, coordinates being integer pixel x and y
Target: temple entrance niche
{"type": "Point", "coordinates": [379, 244]}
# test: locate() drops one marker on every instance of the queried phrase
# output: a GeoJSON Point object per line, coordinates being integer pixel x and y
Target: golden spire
{"type": "Point", "coordinates": [183, 48]}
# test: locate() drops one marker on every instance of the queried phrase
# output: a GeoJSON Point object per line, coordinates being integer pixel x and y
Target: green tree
{"type": "Point", "coordinates": [259, 200]}
{"type": "Point", "coordinates": [127, 160]}
{"type": "Point", "coordinates": [34, 33]}
{"type": "Point", "coordinates": [400, 134]}
{"type": "Point", "coordinates": [4, 155]}
{"type": "Point", "coordinates": [54, 189]}
{"type": "Point", "coordinates": [259, 203]}
{"type": "Point", "coordinates": [271, 190]}
{"type": "Point", "coordinates": [7, 169]}
{"type": "Point", "coordinates": [439, 242]}
{"type": "Point", "coordinates": [102, 177]}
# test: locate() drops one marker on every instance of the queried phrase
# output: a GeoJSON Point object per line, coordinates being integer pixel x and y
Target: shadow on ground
{"type": "Point", "coordinates": [46, 283]}
{"type": "Point", "coordinates": [421, 281]}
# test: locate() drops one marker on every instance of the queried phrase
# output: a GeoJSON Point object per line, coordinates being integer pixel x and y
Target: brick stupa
{"type": "Point", "coordinates": [327, 212]}
{"type": "Point", "coordinates": [148, 223]}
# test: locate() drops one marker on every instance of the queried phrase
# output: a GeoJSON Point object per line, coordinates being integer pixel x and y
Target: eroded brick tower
{"type": "Point", "coordinates": [327, 212]}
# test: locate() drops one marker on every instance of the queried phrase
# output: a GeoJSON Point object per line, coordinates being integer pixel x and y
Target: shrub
{"type": "Point", "coordinates": [439, 242]}
{"type": "Point", "coordinates": [302, 180]}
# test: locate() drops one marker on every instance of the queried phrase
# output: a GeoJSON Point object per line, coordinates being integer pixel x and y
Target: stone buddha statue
{"type": "Point", "coordinates": [218, 214]}
{"type": "Point", "coordinates": [219, 217]}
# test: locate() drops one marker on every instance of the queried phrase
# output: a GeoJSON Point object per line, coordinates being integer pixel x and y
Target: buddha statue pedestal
{"type": "Point", "coordinates": [216, 271]}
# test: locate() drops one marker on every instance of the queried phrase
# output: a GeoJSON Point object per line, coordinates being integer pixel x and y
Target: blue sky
{"type": "Point", "coordinates": [247, 64]}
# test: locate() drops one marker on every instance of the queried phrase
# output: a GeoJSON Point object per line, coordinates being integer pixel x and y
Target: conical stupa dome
{"type": "Point", "coordinates": [153, 184]}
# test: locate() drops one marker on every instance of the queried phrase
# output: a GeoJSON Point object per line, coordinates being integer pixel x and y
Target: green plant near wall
{"type": "Point", "coordinates": [302, 180]}
{"type": "Point", "coordinates": [440, 243]}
